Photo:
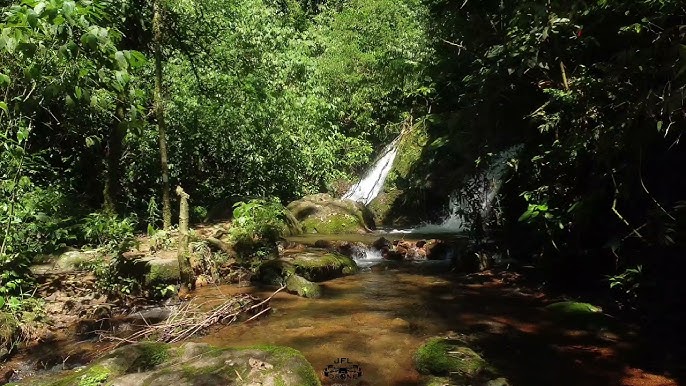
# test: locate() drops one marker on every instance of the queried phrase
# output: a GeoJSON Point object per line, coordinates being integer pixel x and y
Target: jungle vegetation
{"type": "Point", "coordinates": [106, 105]}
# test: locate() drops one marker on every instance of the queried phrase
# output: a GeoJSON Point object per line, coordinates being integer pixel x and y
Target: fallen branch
{"type": "Point", "coordinates": [189, 319]}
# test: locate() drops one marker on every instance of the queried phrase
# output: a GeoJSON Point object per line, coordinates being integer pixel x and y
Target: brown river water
{"type": "Point", "coordinates": [380, 316]}
{"type": "Point", "coordinates": [375, 319]}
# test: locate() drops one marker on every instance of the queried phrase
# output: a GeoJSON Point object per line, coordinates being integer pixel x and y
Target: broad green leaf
{"type": "Point", "coordinates": [32, 18]}
{"type": "Point", "coordinates": [3, 107]}
{"type": "Point", "coordinates": [121, 60]}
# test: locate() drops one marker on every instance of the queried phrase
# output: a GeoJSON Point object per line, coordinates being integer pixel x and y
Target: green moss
{"type": "Point", "coordinates": [162, 271]}
{"type": "Point", "coordinates": [152, 354]}
{"type": "Point", "coordinates": [579, 315]}
{"type": "Point", "coordinates": [409, 151]}
{"type": "Point", "coordinates": [399, 178]}
{"type": "Point", "coordinates": [319, 267]}
{"type": "Point", "coordinates": [573, 308]}
{"type": "Point", "coordinates": [304, 371]}
{"type": "Point", "coordinates": [96, 376]}
{"type": "Point", "coordinates": [303, 287]}
{"type": "Point", "coordinates": [439, 356]}
{"type": "Point", "coordinates": [321, 213]}
{"type": "Point", "coordinates": [338, 223]}
{"type": "Point", "coordinates": [9, 328]}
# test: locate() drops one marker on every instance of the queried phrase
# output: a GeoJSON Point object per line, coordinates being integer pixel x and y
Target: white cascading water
{"type": "Point", "coordinates": [479, 194]}
{"type": "Point", "coordinates": [366, 256]}
{"type": "Point", "coordinates": [372, 182]}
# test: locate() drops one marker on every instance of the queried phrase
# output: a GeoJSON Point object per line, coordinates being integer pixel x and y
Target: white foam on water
{"type": "Point", "coordinates": [366, 256]}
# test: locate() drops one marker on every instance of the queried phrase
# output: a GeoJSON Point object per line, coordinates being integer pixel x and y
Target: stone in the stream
{"type": "Point", "coordinates": [158, 271]}
{"type": "Point", "coordinates": [321, 213]}
{"type": "Point", "coordinates": [158, 364]}
{"type": "Point", "coordinates": [453, 359]}
{"type": "Point", "coordinates": [299, 285]}
{"type": "Point", "coordinates": [313, 265]}
{"type": "Point", "coordinates": [580, 315]}
{"type": "Point", "coordinates": [299, 270]}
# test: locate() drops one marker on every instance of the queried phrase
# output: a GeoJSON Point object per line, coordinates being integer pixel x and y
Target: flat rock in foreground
{"type": "Point", "coordinates": [192, 364]}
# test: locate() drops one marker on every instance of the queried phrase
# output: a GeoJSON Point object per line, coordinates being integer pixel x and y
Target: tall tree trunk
{"type": "Point", "coordinates": [115, 144]}
{"type": "Point", "coordinates": [159, 111]}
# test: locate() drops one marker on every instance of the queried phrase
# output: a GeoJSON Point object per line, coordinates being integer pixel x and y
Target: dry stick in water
{"type": "Point", "coordinates": [188, 320]}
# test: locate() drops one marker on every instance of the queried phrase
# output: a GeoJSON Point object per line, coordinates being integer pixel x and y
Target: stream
{"type": "Point", "coordinates": [380, 316]}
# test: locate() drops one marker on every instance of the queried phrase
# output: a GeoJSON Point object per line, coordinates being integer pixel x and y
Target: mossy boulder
{"type": "Point", "coordinates": [154, 364]}
{"type": "Point", "coordinates": [297, 284]}
{"type": "Point", "coordinates": [312, 264]}
{"type": "Point", "coordinates": [300, 270]}
{"type": "Point", "coordinates": [579, 315]}
{"type": "Point", "coordinates": [321, 213]}
{"type": "Point", "coordinates": [160, 271]}
{"type": "Point", "coordinates": [452, 358]}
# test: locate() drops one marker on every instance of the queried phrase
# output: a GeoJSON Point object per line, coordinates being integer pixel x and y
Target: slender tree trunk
{"type": "Point", "coordinates": [115, 144]}
{"type": "Point", "coordinates": [159, 111]}
{"type": "Point", "coordinates": [185, 268]}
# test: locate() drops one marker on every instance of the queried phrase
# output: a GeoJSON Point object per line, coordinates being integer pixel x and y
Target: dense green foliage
{"type": "Point", "coordinates": [262, 99]}
{"type": "Point", "coordinates": [594, 91]}
{"type": "Point", "coordinates": [272, 100]}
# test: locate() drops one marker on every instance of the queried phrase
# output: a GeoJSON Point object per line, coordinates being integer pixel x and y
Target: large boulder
{"type": "Point", "coordinates": [321, 213]}
{"type": "Point", "coordinates": [451, 358]}
{"type": "Point", "coordinates": [312, 264]}
{"type": "Point", "coordinates": [300, 270]}
{"type": "Point", "coordinates": [158, 364]}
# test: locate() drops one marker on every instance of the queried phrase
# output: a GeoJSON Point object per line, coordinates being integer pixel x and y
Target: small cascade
{"type": "Point", "coordinates": [366, 256]}
{"type": "Point", "coordinates": [477, 198]}
{"type": "Point", "coordinates": [372, 182]}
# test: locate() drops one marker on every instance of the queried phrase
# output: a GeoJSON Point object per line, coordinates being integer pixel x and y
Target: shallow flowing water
{"type": "Point", "coordinates": [380, 316]}
{"type": "Point", "coordinates": [375, 319]}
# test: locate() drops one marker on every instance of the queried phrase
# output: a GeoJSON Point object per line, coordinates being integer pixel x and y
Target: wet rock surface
{"type": "Point", "coordinates": [321, 213]}
{"type": "Point", "coordinates": [190, 364]}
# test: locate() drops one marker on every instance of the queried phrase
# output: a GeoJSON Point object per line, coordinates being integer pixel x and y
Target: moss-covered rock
{"type": "Point", "coordinates": [191, 364]}
{"type": "Point", "coordinates": [159, 271]}
{"type": "Point", "coordinates": [299, 285]}
{"type": "Point", "coordinates": [448, 357]}
{"type": "Point", "coordinates": [579, 315]}
{"type": "Point", "coordinates": [312, 264]}
{"type": "Point", "coordinates": [9, 328]}
{"type": "Point", "coordinates": [321, 213]}
{"type": "Point", "coordinates": [299, 270]}
{"type": "Point", "coordinates": [570, 308]}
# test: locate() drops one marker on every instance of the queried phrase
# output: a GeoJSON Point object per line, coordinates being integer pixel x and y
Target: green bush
{"type": "Point", "coordinates": [259, 219]}
{"type": "Point", "coordinates": [108, 230]}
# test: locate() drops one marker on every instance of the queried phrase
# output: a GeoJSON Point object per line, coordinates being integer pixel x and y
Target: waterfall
{"type": "Point", "coordinates": [478, 197]}
{"type": "Point", "coordinates": [372, 182]}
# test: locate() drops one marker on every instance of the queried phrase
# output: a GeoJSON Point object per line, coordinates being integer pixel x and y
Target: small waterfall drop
{"type": "Point", "coordinates": [478, 197]}
{"type": "Point", "coordinates": [366, 256]}
{"type": "Point", "coordinates": [372, 182]}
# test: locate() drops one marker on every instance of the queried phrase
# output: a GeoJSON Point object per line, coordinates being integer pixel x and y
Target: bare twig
{"type": "Point", "coordinates": [189, 319]}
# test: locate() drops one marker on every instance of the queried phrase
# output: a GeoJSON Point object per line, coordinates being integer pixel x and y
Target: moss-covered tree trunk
{"type": "Point", "coordinates": [159, 112]}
